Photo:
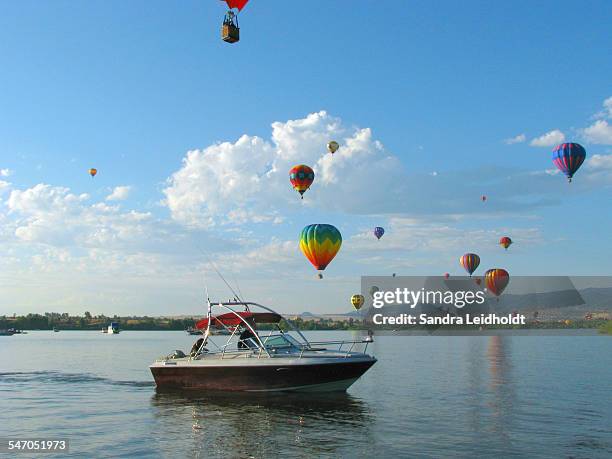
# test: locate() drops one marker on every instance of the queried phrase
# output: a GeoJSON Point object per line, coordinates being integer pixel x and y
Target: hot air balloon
{"type": "Point", "coordinates": [301, 178]}
{"type": "Point", "coordinates": [478, 280]}
{"type": "Point", "coordinates": [446, 275]}
{"type": "Point", "coordinates": [568, 157]}
{"type": "Point", "coordinates": [333, 146]}
{"type": "Point", "coordinates": [320, 243]}
{"type": "Point", "coordinates": [230, 32]}
{"type": "Point", "coordinates": [357, 301]}
{"type": "Point", "coordinates": [496, 280]}
{"type": "Point", "coordinates": [483, 198]}
{"type": "Point", "coordinates": [378, 232]}
{"type": "Point", "coordinates": [93, 172]}
{"type": "Point", "coordinates": [505, 242]}
{"type": "Point", "coordinates": [470, 262]}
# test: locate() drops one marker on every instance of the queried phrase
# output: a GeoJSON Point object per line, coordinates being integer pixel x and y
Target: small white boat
{"type": "Point", "coordinates": [113, 328]}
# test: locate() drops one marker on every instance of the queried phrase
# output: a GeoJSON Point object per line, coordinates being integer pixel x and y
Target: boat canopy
{"type": "Point", "coordinates": [231, 319]}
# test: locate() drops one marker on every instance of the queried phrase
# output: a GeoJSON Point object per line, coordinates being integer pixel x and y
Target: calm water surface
{"type": "Point", "coordinates": [426, 397]}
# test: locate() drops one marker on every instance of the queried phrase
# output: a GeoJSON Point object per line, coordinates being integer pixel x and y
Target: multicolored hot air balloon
{"type": "Point", "coordinates": [93, 172]}
{"type": "Point", "coordinates": [496, 280]}
{"type": "Point", "coordinates": [378, 232]}
{"type": "Point", "coordinates": [333, 146]}
{"type": "Point", "coordinates": [568, 157]}
{"type": "Point", "coordinates": [505, 242]}
{"type": "Point", "coordinates": [301, 178]}
{"type": "Point", "coordinates": [357, 301]}
{"type": "Point", "coordinates": [470, 262]}
{"type": "Point", "coordinates": [320, 243]}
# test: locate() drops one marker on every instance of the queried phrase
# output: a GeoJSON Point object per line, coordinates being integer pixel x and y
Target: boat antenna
{"type": "Point", "coordinates": [212, 263]}
{"type": "Point", "coordinates": [237, 285]}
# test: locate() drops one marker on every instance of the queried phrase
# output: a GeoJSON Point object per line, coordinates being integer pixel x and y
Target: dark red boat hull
{"type": "Point", "coordinates": [336, 376]}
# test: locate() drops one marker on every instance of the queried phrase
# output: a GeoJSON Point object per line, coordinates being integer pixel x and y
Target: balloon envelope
{"type": "Point", "coordinates": [470, 262]}
{"type": "Point", "coordinates": [320, 243]}
{"type": "Point", "coordinates": [357, 301]}
{"type": "Point", "coordinates": [568, 157]}
{"type": "Point", "coordinates": [93, 172]}
{"type": "Point", "coordinates": [238, 4]}
{"type": "Point", "coordinates": [496, 280]}
{"type": "Point", "coordinates": [505, 242]}
{"type": "Point", "coordinates": [301, 177]}
{"type": "Point", "coordinates": [333, 146]}
{"type": "Point", "coordinates": [379, 231]}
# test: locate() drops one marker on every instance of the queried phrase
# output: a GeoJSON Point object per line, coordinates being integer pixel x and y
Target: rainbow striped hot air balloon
{"type": "Point", "coordinates": [568, 157]}
{"type": "Point", "coordinates": [470, 262]}
{"type": "Point", "coordinates": [320, 243]}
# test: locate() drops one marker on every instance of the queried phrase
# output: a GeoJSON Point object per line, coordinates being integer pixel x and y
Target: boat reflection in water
{"type": "Point", "coordinates": [242, 424]}
{"type": "Point", "coordinates": [261, 361]}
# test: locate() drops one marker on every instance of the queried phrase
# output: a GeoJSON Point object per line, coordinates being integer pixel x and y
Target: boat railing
{"type": "Point", "coordinates": [341, 343]}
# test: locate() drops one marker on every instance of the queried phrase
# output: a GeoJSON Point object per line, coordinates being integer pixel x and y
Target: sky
{"type": "Point", "coordinates": [434, 104]}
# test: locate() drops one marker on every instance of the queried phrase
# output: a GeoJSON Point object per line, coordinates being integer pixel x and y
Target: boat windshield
{"type": "Point", "coordinates": [281, 341]}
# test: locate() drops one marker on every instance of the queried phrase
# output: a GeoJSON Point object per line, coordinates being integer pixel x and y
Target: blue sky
{"type": "Point", "coordinates": [423, 97]}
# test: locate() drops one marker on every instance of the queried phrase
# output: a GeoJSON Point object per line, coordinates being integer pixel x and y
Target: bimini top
{"type": "Point", "coordinates": [233, 319]}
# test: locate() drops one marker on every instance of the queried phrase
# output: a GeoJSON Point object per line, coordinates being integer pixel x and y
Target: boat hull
{"type": "Point", "coordinates": [303, 377]}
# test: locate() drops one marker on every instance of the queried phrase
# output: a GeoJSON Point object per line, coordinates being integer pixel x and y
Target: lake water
{"type": "Point", "coordinates": [464, 396]}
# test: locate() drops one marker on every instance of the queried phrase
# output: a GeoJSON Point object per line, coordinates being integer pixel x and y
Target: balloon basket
{"type": "Point", "coordinates": [230, 33]}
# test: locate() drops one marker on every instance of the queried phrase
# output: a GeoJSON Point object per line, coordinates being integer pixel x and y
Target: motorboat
{"type": "Point", "coordinates": [193, 331]}
{"type": "Point", "coordinates": [258, 360]}
{"type": "Point", "coordinates": [113, 328]}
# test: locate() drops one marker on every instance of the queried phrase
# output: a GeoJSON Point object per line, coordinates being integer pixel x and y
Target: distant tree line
{"type": "Point", "coordinates": [64, 321]}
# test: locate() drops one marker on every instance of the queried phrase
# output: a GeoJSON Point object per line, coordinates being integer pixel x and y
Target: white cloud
{"type": "Point", "coordinates": [549, 139]}
{"type": "Point", "coordinates": [600, 132]}
{"type": "Point", "coordinates": [607, 109]}
{"type": "Point", "coordinates": [248, 180]}
{"type": "Point", "coordinates": [520, 138]}
{"type": "Point", "coordinates": [120, 193]}
{"type": "Point", "coordinates": [5, 172]}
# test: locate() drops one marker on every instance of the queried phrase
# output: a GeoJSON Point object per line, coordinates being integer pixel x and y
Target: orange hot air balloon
{"type": "Point", "coordinates": [505, 242]}
{"type": "Point", "coordinates": [93, 172]}
{"type": "Point", "coordinates": [496, 280]}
